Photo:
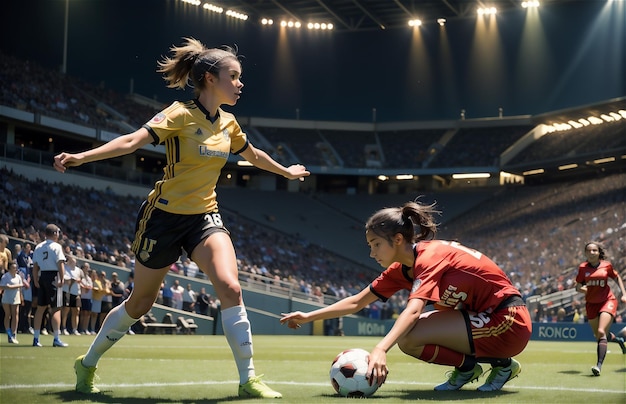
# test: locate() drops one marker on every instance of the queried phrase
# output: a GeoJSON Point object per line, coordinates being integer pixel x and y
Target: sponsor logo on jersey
{"type": "Point", "coordinates": [158, 118]}
{"type": "Point", "coordinates": [225, 134]}
{"type": "Point", "coordinates": [205, 151]}
{"type": "Point", "coordinates": [199, 132]}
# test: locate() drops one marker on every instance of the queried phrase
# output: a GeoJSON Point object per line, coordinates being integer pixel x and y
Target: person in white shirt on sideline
{"type": "Point", "coordinates": [48, 275]}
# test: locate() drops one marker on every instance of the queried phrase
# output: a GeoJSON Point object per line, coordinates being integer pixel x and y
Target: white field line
{"type": "Point", "coordinates": [274, 382]}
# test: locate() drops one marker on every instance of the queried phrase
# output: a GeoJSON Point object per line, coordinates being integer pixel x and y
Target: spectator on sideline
{"type": "Point", "coordinates": [71, 296]}
{"type": "Point", "coordinates": [189, 298]}
{"type": "Point", "coordinates": [5, 254]}
{"type": "Point", "coordinates": [48, 275]}
{"type": "Point", "coordinates": [117, 290]}
{"type": "Point", "coordinates": [86, 293]}
{"type": "Point", "coordinates": [166, 294]}
{"type": "Point", "coordinates": [107, 299]}
{"type": "Point", "coordinates": [177, 295]}
{"type": "Point", "coordinates": [97, 293]}
{"type": "Point", "coordinates": [202, 302]}
{"type": "Point", "coordinates": [11, 285]}
{"type": "Point", "coordinates": [601, 304]}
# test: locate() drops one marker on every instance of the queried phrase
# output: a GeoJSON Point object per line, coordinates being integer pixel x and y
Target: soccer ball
{"type": "Point", "coordinates": [347, 374]}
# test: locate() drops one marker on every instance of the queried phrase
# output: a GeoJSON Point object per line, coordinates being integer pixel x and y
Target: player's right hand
{"type": "Point", "coordinates": [64, 160]}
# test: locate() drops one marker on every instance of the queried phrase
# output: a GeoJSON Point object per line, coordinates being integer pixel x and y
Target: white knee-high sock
{"type": "Point", "coordinates": [113, 328]}
{"type": "Point", "coordinates": [239, 336]}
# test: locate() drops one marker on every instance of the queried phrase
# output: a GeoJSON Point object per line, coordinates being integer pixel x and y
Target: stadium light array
{"type": "Point", "coordinates": [608, 117]}
{"type": "Point", "coordinates": [487, 11]}
{"type": "Point", "coordinates": [441, 21]}
{"type": "Point", "coordinates": [267, 21]}
{"type": "Point", "coordinates": [534, 172]}
{"type": "Point", "coordinates": [211, 7]}
{"type": "Point", "coordinates": [320, 26]}
{"type": "Point", "coordinates": [530, 4]}
{"type": "Point", "coordinates": [217, 9]}
{"type": "Point", "coordinates": [604, 160]}
{"type": "Point", "coordinates": [415, 23]}
{"type": "Point", "coordinates": [290, 24]}
{"type": "Point", "coordinates": [236, 14]}
{"type": "Point", "coordinates": [470, 176]}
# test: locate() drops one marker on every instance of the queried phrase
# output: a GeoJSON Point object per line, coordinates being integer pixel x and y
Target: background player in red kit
{"type": "Point", "coordinates": [600, 302]}
{"type": "Point", "coordinates": [479, 315]}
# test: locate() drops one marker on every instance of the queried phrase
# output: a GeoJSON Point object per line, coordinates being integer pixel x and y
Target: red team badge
{"type": "Point", "coordinates": [158, 118]}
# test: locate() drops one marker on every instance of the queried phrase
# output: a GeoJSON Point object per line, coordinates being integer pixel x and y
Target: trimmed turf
{"type": "Point", "coordinates": [195, 369]}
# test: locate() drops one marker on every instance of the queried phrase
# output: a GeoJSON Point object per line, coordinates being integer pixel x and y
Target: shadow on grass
{"type": "Point", "coordinates": [102, 397]}
{"type": "Point", "coordinates": [458, 395]}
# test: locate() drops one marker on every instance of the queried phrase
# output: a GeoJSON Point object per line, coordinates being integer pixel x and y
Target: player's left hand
{"type": "Point", "coordinates": [293, 320]}
{"type": "Point", "coordinates": [377, 369]}
{"type": "Point", "coordinates": [297, 171]}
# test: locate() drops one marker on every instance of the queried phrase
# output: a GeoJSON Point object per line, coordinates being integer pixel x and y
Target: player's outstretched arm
{"type": "Point", "coordinates": [348, 305]}
{"type": "Point", "coordinates": [262, 160]}
{"type": "Point", "coordinates": [119, 146]}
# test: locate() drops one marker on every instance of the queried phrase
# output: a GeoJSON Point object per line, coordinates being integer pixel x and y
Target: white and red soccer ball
{"type": "Point", "coordinates": [347, 374]}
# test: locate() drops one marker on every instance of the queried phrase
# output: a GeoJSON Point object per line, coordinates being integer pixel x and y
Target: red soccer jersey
{"type": "Point", "coordinates": [597, 281]}
{"type": "Point", "coordinates": [449, 275]}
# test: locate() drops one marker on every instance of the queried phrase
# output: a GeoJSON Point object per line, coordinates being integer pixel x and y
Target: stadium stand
{"type": "Point", "coordinates": [408, 148]}
{"type": "Point", "coordinates": [312, 239]}
{"type": "Point", "coordinates": [583, 141]}
{"type": "Point", "coordinates": [478, 147]}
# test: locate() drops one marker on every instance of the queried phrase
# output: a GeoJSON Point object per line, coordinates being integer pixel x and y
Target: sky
{"type": "Point", "coordinates": [565, 56]}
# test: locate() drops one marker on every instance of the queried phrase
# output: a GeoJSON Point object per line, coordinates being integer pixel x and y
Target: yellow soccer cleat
{"type": "Point", "coordinates": [457, 379]}
{"type": "Point", "coordinates": [254, 387]}
{"type": "Point", "coordinates": [84, 377]}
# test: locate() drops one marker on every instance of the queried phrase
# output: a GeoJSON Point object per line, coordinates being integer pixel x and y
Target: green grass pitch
{"type": "Point", "coordinates": [199, 369]}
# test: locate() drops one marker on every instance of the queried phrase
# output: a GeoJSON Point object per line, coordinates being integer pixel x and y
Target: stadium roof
{"type": "Point", "coordinates": [363, 15]}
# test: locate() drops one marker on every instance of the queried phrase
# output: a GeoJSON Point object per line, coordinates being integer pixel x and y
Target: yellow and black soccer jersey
{"type": "Point", "coordinates": [196, 150]}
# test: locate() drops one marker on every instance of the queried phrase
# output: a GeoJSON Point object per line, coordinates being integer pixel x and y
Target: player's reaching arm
{"type": "Point", "coordinates": [262, 160]}
{"type": "Point", "coordinates": [119, 146]}
{"type": "Point", "coordinates": [377, 365]}
{"type": "Point", "coordinates": [348, 305]}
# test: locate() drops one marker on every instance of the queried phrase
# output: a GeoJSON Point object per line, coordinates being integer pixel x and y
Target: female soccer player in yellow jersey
{"type": "Point", "coordinates": [181, 211]}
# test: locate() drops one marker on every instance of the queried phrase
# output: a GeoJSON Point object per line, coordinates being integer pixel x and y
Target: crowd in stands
{"type": "Point", "coordinates": [536, 234]}
{"type": "Point", "coordinates": [27, 86]}
{"type": "Point", "coordinates": [408, 148]}
{"type": "Point", "coordinates": [100, 226]}
{"type": "Point", "coordinates": [478, 147]}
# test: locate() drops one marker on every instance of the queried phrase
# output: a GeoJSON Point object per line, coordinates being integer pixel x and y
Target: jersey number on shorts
{"type": "Point", "coordinates": [479, 320]}
{"type": "Point", "coordinates": [213, 220]}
